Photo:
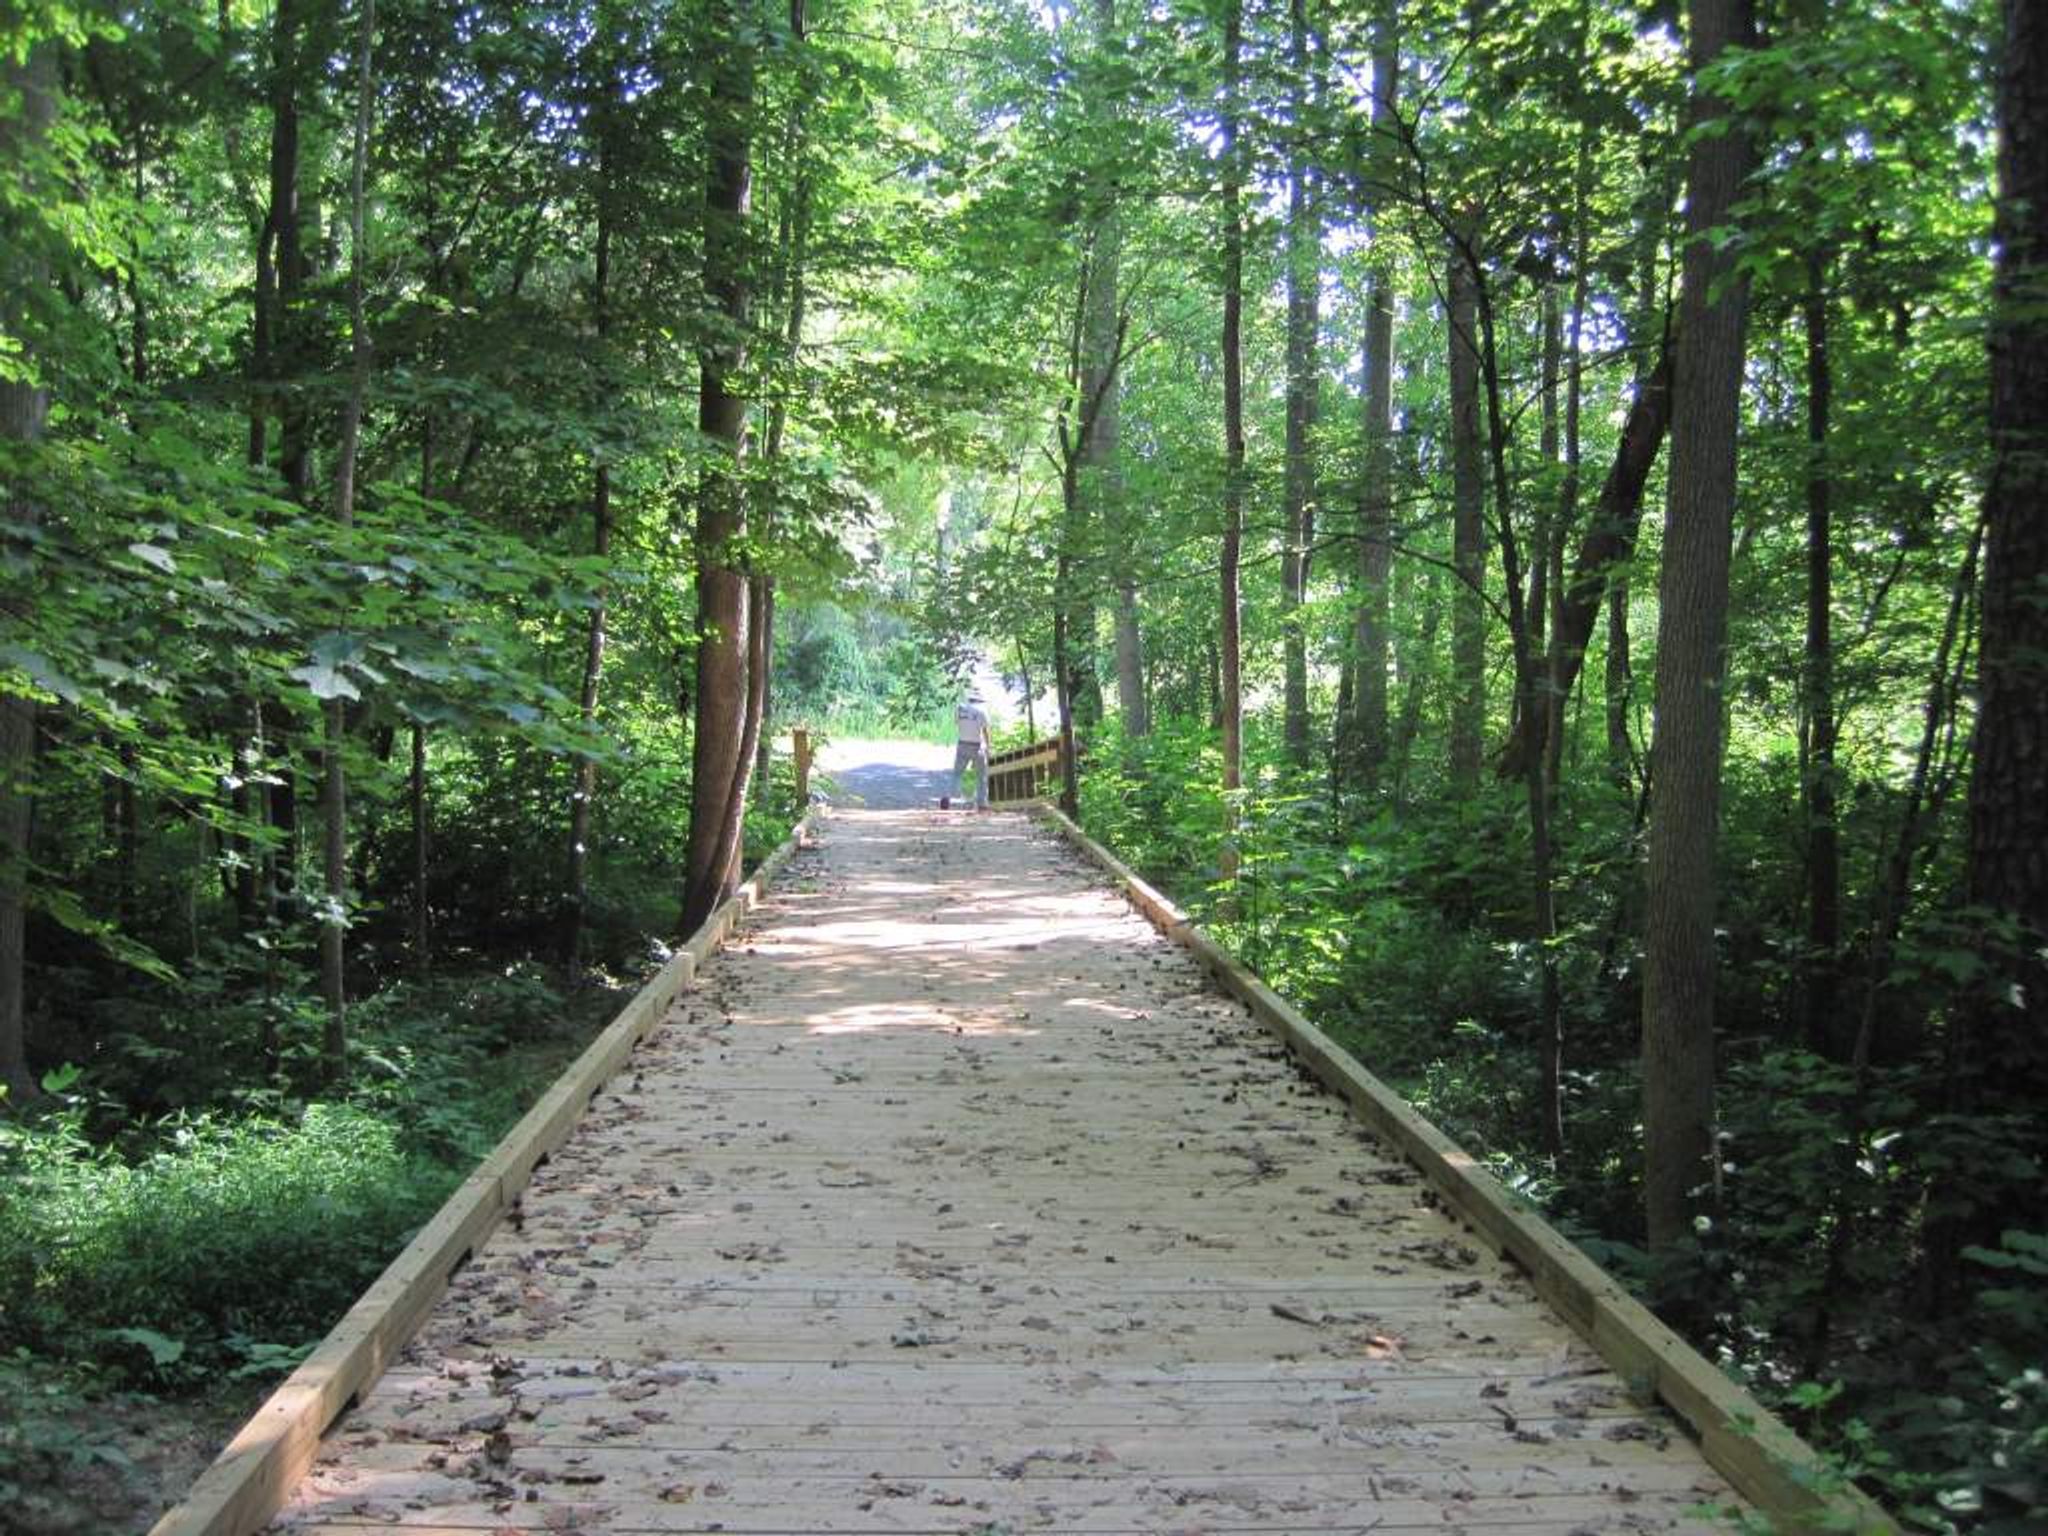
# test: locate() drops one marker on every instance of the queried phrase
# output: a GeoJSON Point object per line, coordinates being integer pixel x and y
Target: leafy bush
{"type": "Point", "coordinates": [230, 1234]}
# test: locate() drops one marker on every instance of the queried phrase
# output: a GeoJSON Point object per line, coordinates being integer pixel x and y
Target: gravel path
{"type": "Point", "coordinates": [886, 775]}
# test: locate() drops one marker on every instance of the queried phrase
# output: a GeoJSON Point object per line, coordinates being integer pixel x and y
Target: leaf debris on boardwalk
{"type": "Point", "coordinates": [953, 1200]}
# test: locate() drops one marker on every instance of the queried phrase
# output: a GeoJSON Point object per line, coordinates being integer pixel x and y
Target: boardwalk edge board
{"type": "Point", "coordinates": [251, 1478]}
{"type": "Point", "coordinates": [1741, 1439]}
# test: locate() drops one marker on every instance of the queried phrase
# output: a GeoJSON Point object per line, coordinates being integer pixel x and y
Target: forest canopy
{"type": "Point", "coordinates": [1528, 518]}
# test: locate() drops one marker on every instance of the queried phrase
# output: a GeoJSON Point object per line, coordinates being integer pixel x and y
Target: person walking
{"type": "Point", "coordinates": [970, 731]}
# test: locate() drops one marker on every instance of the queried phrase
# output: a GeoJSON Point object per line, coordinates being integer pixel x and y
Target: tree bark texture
{"type": "Point", "coordinates": [24, 407]}
{"type": "Point", "coordinates": [1100, 499]}
{"type": "Point", "coordinates": [1417, 663]}
{"type": "Point", "coordinates": [1999, 1060]}
{"type": "Point", "coordinates": [794, 244]}
{"type": "Point", "coordinates": [1529, 704]}
{"type": "Point", "coordinates": [421, 829]}
{"type": "Point", "coordinates": [723, 643]}
{"type": "Point", "coordinates": [2008, 870]}
{"type": "Point", "coordinates": [285, 241]}
{"type": "Point", "coordinates": [1678, 941]}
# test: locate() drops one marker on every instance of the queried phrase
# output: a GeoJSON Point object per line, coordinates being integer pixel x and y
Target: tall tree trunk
{"type": "Point", "coordinates": [583, 795]}
{"type": "Point", "coordinates": [793, 243]}
{"type": "Point", "coordinates": [24, 407]}
{"type": "Point", "coordinates": [1817, 714]}
{"type": "Point", "coordinates": [1063, 662]}
{"type": "Point", "coordinates": [732, 846]}
{"type": "Point", "coordinates": [284, 349]}
{"type": "Point", "coordinates": [1678, 941]}
{"type": "Point", "coordinates": [419, 919]}
{"type": "Point", "coordinates": [723, 642]}
{"type": "Point", "coordinates": [275, 354]}
{"type": "Point", "coordinates": [1417, 665]}
{"type": "Point", "coordinates": [1362, 749]}
{"type": "Point", "coordinates": [1230, 696]}
{"type": "Point", "coordinates": [1131, 701]}
{"type": "Point", "coordinates": [1468, 535]}
{"type": "Point", "coordinates": [1543, 529]}
{"type": "Point", "coordinates": [583, 791]}
{"type": "Point", "coordinates": [1101, 481]}
{"type": "Point", "coordinates": [334, 917]}
{"type": "Point", "coordinates": [1303, 260]}
{"type": "Point", "coordinates": [1999, 1059]}
{"type": "Point", "coordinates": [416, 800]}
{"type": "Point", "coordinates": [1619, 684]}
{"type": "Point", "coordinates": [1529, 680]}
{"type": "Point", "coordinates": [1103, 331]}
{"type": "Point", "coordinates": [128, 837]}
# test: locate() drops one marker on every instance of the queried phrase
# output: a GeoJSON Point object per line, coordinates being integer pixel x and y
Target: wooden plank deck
{"type": "Point", "coordinates": [955, 1199]}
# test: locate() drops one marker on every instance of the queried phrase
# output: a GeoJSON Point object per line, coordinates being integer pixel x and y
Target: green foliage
{"type": "Point", "coordinates": [229, 1230]}
{"type": "Point", "coordinates": [222, 1239]}
{"type": "Point", "coordinates": [41, 1438]}
{"type": "Point", "coordinates": [1398, 930]}
{"type": "Point", "coordinates": [939, 187]}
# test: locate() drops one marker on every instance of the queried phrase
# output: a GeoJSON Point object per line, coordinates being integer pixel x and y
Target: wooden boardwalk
{"type": "Point", "coordinates": [954, 1199]}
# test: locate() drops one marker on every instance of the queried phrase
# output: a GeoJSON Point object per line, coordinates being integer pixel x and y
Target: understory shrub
{"type": "Point", "coordinates": [233, 1234]}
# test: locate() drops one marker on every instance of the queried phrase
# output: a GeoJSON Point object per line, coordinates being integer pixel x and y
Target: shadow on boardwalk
{"type": "Point", "coordinates": [956, 1201]}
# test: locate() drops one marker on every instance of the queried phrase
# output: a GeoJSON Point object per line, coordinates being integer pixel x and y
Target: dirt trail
{"type": "Point", "coordinates": [955, 1200]}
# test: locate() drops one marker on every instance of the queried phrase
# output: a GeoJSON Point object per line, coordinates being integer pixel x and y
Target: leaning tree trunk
{"type": "Point", "coordinates": [24, 406]}
{"type": "Point", "coordinates": [1678, 937]}
{"type": "Point", "coordinates": [1604, 551]}
{"type": "Point", "coordinates": [1230, 698]}
{"type": "Point", "coordinates": [1468, 535]}
{"type": "Point", "coordinates": [717, 772]}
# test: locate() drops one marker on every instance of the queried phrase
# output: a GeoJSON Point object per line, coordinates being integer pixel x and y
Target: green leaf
{"type": "Point", "coordinates": [42, 673]}
{"type": "Point", "coordinates": [326, 682]}
{"type": "Point", "coordinates": [156, 555]}
{"type": "Point", "coordinates": [163, 1350]}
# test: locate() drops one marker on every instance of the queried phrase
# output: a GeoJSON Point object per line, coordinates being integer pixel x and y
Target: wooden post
{"type": "Point", "coordinates": [800, 742]}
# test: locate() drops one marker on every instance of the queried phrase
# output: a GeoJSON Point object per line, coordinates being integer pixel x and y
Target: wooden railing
{"type": "Point", "coordinates": [1024, 773]}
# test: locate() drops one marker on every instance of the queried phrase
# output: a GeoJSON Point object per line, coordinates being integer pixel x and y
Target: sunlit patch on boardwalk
{"type": "Point", "coordinates": [956, 1201]}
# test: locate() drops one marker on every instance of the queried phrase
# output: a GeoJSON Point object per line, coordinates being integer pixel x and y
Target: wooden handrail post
{"type": "Point", "coordinates": [800, 744]}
